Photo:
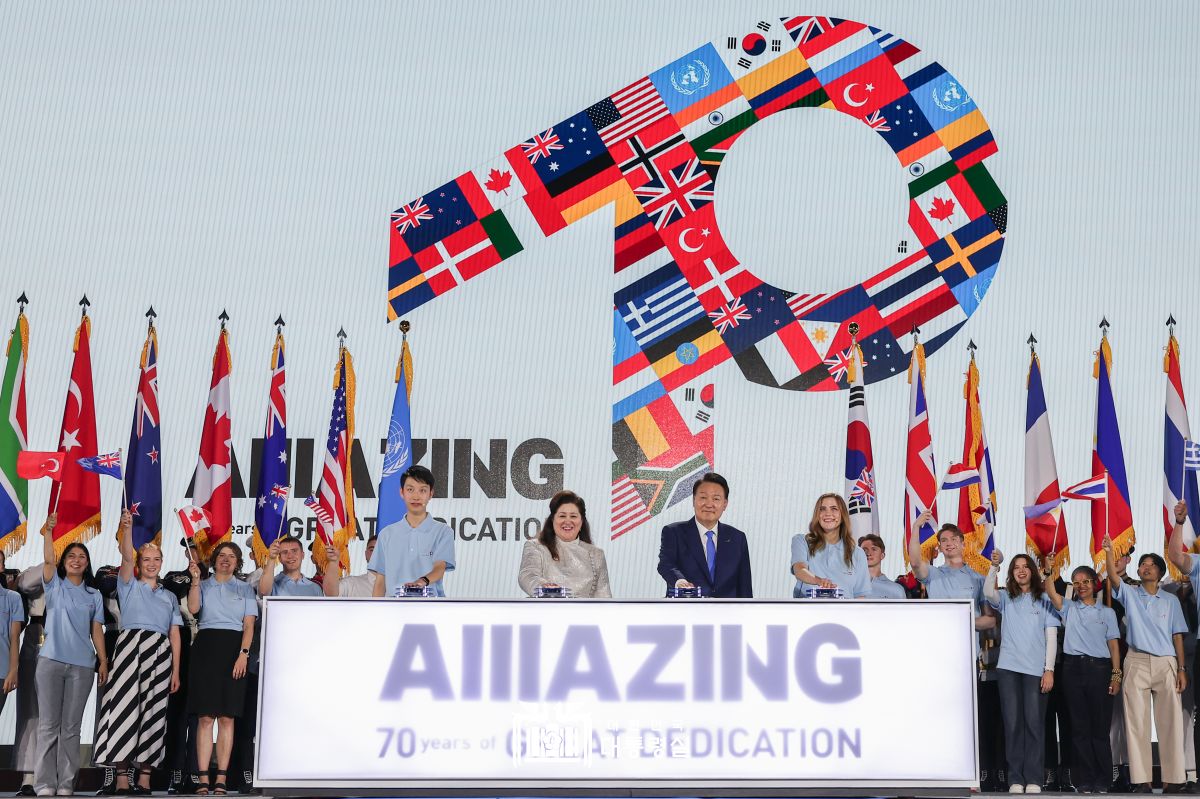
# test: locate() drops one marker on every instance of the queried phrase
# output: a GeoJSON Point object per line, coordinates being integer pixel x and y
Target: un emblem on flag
{"type": "Point", "coordinates": [397, 449]}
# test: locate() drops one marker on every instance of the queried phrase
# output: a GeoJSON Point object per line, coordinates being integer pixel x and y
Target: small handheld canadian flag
{"type": "Point", "coordinates": [193, 520]}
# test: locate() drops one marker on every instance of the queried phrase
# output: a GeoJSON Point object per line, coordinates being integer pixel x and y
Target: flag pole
{"type": "Point", "coordinates": [121, 463]}
{"type": "Point", "coordinates": [283, 514]}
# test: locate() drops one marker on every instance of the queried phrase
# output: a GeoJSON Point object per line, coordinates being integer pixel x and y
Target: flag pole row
{"type": "Point", "coordinates": [76, 466]}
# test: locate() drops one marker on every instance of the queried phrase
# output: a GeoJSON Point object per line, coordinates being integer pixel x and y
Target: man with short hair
{"type": "Point", "coordinates": [417, 550]}
{"type": "Point", "coordinates": [356, 585]}
{"type": "Point", "coordinates": [880, 587]}
{"type": "Point", "coordinates": [288, 552]}
{"type": "Point", "coordinates": [704, 553]}
{"type": "Point", "coordinates": [953, 579]}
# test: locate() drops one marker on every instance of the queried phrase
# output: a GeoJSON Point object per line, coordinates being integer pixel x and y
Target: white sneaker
{"type": "Point", "coordinates": [45, 792]}
{"type": "Point", "coordinates": [1033, 789]}
{"type": "Point", "coordinates": [65, 792]}
{"type": "Point", "coordinates": [1015, 788]}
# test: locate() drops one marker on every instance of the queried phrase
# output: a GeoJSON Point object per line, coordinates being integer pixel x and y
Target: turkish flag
{"type": "Point", "coordinates": [76, 494]}
{"type": "Point", "coordinates": [32, 465]}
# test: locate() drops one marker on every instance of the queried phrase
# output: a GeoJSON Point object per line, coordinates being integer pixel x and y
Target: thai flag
{"type": "Point", "coordinates": [960, 476]}
{"type": "Point", "coordinates": [1181, 455]}
{"type": "Point", "coordinates": [1091, 489]}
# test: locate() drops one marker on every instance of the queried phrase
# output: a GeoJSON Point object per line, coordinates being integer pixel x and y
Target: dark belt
{"type": "Point", "coordinates": [38, 620]}
{"type": "Point", "coordinates": [1090, 659]}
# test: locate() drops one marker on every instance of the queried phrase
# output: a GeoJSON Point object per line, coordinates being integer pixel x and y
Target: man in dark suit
{"type": "Point", "coordinates": [704, 553]}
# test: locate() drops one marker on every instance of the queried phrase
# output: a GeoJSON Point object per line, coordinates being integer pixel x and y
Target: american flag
{"type": "Point", "coordinates": [333, 494]}
{"type": "Point", "coordinates": [541, 145]}
{"type": "Point", "coordinates": [639, 105]}
{"type": "Point", "coordinates": [411, 215]}
{"type": "Point", "coordinates": [322, 515]}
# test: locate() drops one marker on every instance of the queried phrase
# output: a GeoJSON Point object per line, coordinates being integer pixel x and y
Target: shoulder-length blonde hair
{"type": "Point", "coordinates": [816, 540]}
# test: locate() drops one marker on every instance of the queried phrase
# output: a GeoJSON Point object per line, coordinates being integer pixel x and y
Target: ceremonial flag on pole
{"type": "Point", "coordinates": [976, 500]}
{"type": "Point", "coordinates": [14, 437]}
{"type": "Point", "coordinates": [335, 496]}
{"type": "Point", "coordinates": [212, 488]}
{"type": "Point", "coordinates": [76, 497]}
{"type": "Point", "coordinates": [960, 476]}
{"type": "Point", "coordinates": [270, 510]}
{"type": "Point", "coordinates": [861, 497]}
{"type": "Point", "coordinates": [108, 464]}
{"type": "Point", "coordinates": [143, 468]}
{"type": "Point", "coordinates": [36, 465]}
{"type": "Point", "coordinates": [1112, 517]}
{"type": "Point", "coordinates": [398, 456]}
{"type": "Point", "coordinates": [1191, 456]}
{"type": "Point", "coordinates": [920, 478]}
{"type": "Point", "coordinates": [1046, 528]}
{"type": "Point", "coordinates": [1178, 482]}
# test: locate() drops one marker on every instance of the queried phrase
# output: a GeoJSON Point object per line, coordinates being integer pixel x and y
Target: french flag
{"type": "Point", "coordinates": [960, 476]}
{"type": "Point", "coordinates": [1091, 489]}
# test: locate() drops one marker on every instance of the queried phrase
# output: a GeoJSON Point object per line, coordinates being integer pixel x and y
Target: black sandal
{"type": "Point", "coordinates": [218, 788]}
{"type": "Point", "coordinates": [135, 785]}
{"type": "Point", "coordinates": [201, 781]}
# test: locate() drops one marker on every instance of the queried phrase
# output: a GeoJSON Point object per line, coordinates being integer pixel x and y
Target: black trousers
{"type": "Point", "coordinates": [241, 761]}
{"type": "Point", "coordinates": [991, 741]}
{"type": "Point", "coordinates": [1085, 682]}
{"type": "Point", "coordinates": [1024, 707]}
{"type": "Point", "coordinates": [1058, 725]}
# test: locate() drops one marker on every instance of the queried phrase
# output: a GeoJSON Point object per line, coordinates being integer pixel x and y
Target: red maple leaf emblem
{"type": "Point", "coordinates": [942, 209]}
{"type": "Point", "coordinates": [498, 181]}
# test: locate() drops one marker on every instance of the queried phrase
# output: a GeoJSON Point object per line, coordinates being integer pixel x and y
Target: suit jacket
{"type": "Point", "coordinates": [681, 557]}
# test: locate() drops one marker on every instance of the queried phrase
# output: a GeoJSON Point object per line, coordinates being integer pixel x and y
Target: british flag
{"type": "Point", "coordinates": [541, 145]}
{"type": "Point", "coordinates": [877, 122]}
{"type": "Point", "coordinates": [920, 479]}
{"type": "Point", "coordinates": [804, 28]}
{"type": "Point", "coordinates": [729, 315]}
{"type": "Point", "coordinates": [864, 488]}
{"type": "Point", "coordinates": [675, 193]}
{"type": "Point", "coordinates": [411, 215]}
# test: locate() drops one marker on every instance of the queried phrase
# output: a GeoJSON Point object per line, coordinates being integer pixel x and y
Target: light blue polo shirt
{"type": "Point", "coordinates": [286, 586]}
{"type": "Point", "coordinates": [11, 609]}
{"type": "Point", "coordinates": [405, 553]}
{"type": "Point", "coordinates": [945, 582]}
{"type": "Point", "coordinates": [70, 611]}
{"type": "Point", "coordinates": [829, 562]}
{"type": "Point", "coordinates": [1194, 575]}
{"type": "Point", "coordinates": [224, 605]}
{"type": "Point", "coordinates": [1023, 643]}
{"type": "Point", "coordinates": [883, 588]}
{"type": "Point", "coordinates": [1089, 628]}
{"type": "Point", "coordinates": [146, 608]}
{"type": "Point", "coordinates": [1150, 619]}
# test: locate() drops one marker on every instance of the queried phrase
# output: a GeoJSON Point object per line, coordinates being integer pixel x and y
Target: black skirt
{"type": "Point", "coordinates": [212, 691]}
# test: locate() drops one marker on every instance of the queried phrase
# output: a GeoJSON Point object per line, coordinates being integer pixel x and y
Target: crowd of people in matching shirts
{"type": "Point", "coordinates": [175, 656]}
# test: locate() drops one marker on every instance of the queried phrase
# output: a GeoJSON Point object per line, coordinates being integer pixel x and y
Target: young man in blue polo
{"type": "Point", "coordinates": [417, 550]}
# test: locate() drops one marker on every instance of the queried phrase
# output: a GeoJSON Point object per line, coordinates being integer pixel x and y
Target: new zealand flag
{"type": "Point", "coordinates": [143, 468]}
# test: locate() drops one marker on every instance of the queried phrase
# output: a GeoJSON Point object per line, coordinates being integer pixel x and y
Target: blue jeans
{"type": "Point", "coordinates": [1023, 706]}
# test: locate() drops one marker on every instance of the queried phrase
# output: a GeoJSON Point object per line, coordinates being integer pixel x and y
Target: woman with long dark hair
{"type": "Point", "coordinates": [1025, 671]}
{"type": "Point", "coordinates": [1092, 676]}
{"type": "Point", "coordinates": [826, 556]}
{"type": "Point", "coordinates": [227, 609]}
{"type": "Point", "coordinates": [563, 554]}
{"type": "Point", "coordinates": [133, 716]}
{"type": "Point", "coordinates": [71, 657]}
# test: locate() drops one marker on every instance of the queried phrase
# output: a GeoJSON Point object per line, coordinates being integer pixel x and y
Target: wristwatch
{"type": "Point", "coordinates": [244, 651]}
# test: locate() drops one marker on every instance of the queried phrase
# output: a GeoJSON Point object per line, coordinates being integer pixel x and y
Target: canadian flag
{"type": "Point", "coordinates": [211, 491]}
{"type": "Point", "coordinates": [193, 520]}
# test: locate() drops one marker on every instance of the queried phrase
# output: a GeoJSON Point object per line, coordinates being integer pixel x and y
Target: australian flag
{"type": "Point", "coordinates": [398, 456]}
{"type": "Point", "coordinates": [270, 505]}
{"type": "Point", "coordinates": [143, 465]}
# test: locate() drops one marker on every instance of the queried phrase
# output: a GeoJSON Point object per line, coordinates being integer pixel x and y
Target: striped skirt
{"type": "Point", "coordinates": [133, 716]}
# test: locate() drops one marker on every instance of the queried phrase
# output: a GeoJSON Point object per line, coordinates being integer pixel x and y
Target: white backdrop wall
{"type": "Point", "coordinates": [246, 157]}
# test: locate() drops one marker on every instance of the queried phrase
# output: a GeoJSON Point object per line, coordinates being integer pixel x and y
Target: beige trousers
{"type": "Point", "coordinates": [1149, 676]}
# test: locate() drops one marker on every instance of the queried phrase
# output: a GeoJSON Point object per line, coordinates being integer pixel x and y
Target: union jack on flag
{"type": "Point", "coordinates": [279, 492]}
{"type": "Point", "coordinates": [109, 464]}
{"type": "Point", "coordinates": [729, 315]}
{"type": "Point", "coordinates": [676, 193]}
{"type": "Point", "coordinates": [804, 28]}
{"type": "Point", "coordinates": [411, 215]}
{"type": "Point", "coordinates": [541, 145]}
{"type": "Point", "coordinates": [839, 364]}
{"type": "Point", "coordinates": [864, 488]}
{"type": "Point", "coordinates": [877, 121]}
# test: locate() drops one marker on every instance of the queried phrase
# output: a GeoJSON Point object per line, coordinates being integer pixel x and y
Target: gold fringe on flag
{"type": "Point", "coordinates": [87, 321]}
{"type": "Point", "coordinates": [918, 358]}
{"type": "Point", "coordinates": [341, 537]}
{"type": "Point", "coordinates": [1104, 352]}
{"type": "Point", "coordinates": [82, 533]}
{"type": "Point", "coordinates": [405, 366]}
